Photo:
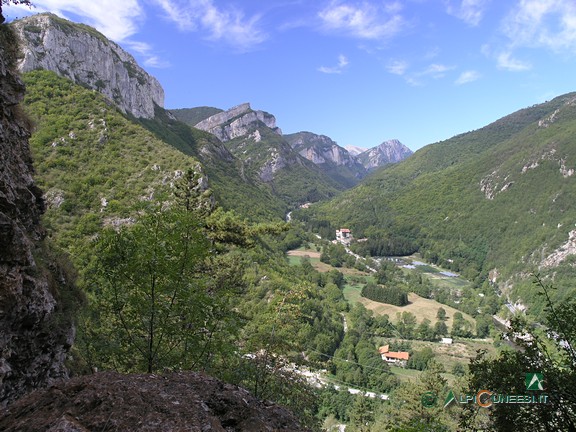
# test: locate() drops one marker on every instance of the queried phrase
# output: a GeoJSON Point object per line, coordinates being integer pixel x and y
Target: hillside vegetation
{"type": "Point", "coordinates": [494, 201]}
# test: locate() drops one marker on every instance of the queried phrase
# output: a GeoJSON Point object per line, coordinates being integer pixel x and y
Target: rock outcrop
{"type": "Point", "coordinates": [334, 160]}
{"type": "Point", "coordinates": [320, 149]}
{"type": "Point", "coordinates": [88, 58]}
{"type": "Point", "coordinates": [174, 402]}
{"type": "Point", "coordinates": [236, 122]}
{"type": "Point", "coordinates": [388, 152]}
{"type": "Point", "coordinates": [34, 333]}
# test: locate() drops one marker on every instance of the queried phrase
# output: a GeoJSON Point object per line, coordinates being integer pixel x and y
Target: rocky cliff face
{"type": "Point", "coordinates": [34, 336]}
{"type": "Point", "coordinates": [321, 149]}
{"type": "Point", "coordinates": [390, 151]}
{"type": "Point", "coordinates": [236, 122]}
{"type": "Point", "coordinates": [85, 56]}
{"type": "Point", "coordinates": [334, 160]}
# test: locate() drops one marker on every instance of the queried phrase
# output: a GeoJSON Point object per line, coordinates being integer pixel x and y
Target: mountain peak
{"type": "Point", "coordinates": [390, 151]}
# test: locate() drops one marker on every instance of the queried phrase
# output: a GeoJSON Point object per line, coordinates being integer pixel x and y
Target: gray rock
{"type": "Point", "coordinates": [33, 340]}
{"type": "Point", "coordinates": [391, 151]}
{"type": "Point", "coordinates": [88, 58]}
{"type": "Point", "coordinates": [236, 122]}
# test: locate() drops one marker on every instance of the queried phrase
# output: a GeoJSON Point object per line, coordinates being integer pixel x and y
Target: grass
{"type": "Point", "coordinates": [405, 374]}
{"type": "Point", "coordinates": [295, 255]}
{"type": "Point", "coordinates": [461, 351]}
{"type": "Point", "coordinates": [419, 306]}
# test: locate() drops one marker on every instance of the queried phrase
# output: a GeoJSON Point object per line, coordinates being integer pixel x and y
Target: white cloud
{"type": "Point", "coordinates": [397, 67]}
{"type": "Point", "coordinates": [363, 20]}
{"type": "Point", "coordinates": [156, 62]}
{"type": "Point", "coordinates": [469, 11]}
{"type": "Point", "coordinates": [221, 24]}
{"type": "Point", "coordinates": [549, 24]}
{"type": "Point", "coordinates": [436, 70]}
{"type": "Point", "coordinates": [467, 77]}
{"type": "Point", "coordinates": [507, 62]}
{"type": "Point", "coordinates": [342, 63]}
{"type": "Point", "coordinates": [117, 19]}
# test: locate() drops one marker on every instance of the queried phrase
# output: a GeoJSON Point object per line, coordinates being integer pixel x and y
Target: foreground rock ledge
{"type": "Point", "coordinates": [111, 401]}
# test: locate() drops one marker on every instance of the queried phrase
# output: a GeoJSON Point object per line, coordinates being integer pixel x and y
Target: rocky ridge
{"type": "Point", "coordinates": [82, 54]}
{"type": "Point", "coordinates": [321, 149]}
{"type": "Point", "coordinates": [391, 151]}
{"type": "Point", "coordinates": [236, 122]}
{"type": "Point", "coordinates": [35, 333]}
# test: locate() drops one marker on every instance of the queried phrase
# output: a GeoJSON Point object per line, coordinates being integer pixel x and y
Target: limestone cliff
{"type": "Point", "coordinates": [321, 149]}
{"type": "Point", "coordinates": [88, 58]}
{"type": "Point", "coordinates": [334, 160]}
{"type": "Point", "coordinates": [35, 334]}
{"type": "Point", "coordinates": [236, 122]}
{"type": "Point", "coordinates": [390, 151]}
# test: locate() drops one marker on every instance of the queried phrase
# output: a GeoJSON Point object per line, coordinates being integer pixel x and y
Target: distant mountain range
{"type": "Point", "coordinates": [335, 161]}
{"type": "Point", "coordinates": [246, 140]}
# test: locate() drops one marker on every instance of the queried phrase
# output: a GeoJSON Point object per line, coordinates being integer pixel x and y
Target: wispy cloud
{"type": "Point", "coordinates": [342, 63]}
{"type": "Point", "coordinates": [469, 11]}
{"type": "Point", "coordinates": [397, 67]}
{"type": "Point", "coordinates": [436, 70]}
{"type": "Point", "coordinates": [226, 24]}
{"type": "Point", "coordinates": [363, 20]}
{"type": "Point", "coordinates": [116, 19]}
{"type": "Point", "coordinates": [505, 61]}
{"type": "Point", "coordinates": [549, 24]}
{"type": "Point", "coordinates": [467, 77]}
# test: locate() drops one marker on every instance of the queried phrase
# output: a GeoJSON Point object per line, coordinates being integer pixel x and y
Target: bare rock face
{"type": "Point", "coordinates": [88, 58]}
{"type": "Point", "coordinates": [174, 402]}
{"type": "Point", "coordinates": [236, 122]}
{"type": "Point", "coordinates": [33, 343]}
{"type": "Point", "coordinates": [390, 151]}
{"type": "Point", "coordinates": [321, 149]}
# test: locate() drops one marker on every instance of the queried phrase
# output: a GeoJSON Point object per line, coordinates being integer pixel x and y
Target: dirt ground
{"type": "Point", "coordinates": [298, 252]}
{"type": "Point", "coordinates": [111, 401]}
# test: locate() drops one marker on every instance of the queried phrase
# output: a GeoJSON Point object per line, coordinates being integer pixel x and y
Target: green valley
{"type": "Point", "coordinates": [203, 239]}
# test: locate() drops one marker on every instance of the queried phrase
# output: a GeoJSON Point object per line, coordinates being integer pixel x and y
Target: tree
{"type": "Point", "coordinates": [461, 327]}
{"type": "Point", "coordinates": [160, 288]}
{"type": "Point", "coordinates": [551, 353]}
{"type": "Point", "coordinates": [441, 314]}
{"type": "Point", "coordinates": [150, 289]}
{"type": "Point", "coordinates": [406, 324]}
{"type": "Point", "coordinates": [419, 359]}
{"type": "Point", "coordinates": [440, 328]}
{"type": "Point", "coordinates": [406, 411]}
{"type": "Point", "coordinates": [424, 331]}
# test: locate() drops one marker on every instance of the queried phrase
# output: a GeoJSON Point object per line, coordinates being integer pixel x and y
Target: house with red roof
{"type": "Point", "coordinates": [400, 357]}
{"type": "Point", "coordinates": [344, 236]}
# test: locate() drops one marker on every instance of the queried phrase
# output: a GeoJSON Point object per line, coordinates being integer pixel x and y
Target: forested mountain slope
{"type": "Point", "coordinates": [496, 203]}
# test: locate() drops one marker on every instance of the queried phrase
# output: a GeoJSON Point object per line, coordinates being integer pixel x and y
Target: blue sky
{"type": "Point", "coordinates": [360, 72]}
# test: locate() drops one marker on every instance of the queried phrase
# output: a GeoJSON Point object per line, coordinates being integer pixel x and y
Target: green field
{"type": "Point", "coordinates": [419, 306]}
